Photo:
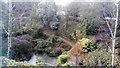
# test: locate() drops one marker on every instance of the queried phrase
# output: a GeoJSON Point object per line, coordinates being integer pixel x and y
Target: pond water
{"type": "Point", "coordinates": [32, 60]}
{"type": "Point", "coordinates": [44, 58]}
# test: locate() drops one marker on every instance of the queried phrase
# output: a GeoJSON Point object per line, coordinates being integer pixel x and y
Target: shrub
{"type": "Point", "coordinates": [20, 32]}
{"type": "Point", "coordinates": [91, 29]}
{"type": "Point", "coordinates": [21, 50]}
{"type": "Point", "coordinates": [38, 33]}
{"type": "Point", "coordinates": [54, 52]}
{"type": "Point", "coordinates": [88, 45]}
{"type": "Point", "coordinates": [8, 62]}
{"type": "Point", "coordinates": [67, 29]}
{"type": "Point", "coordinates": [26, 37]}
{"type": "Point", "coordinates": [14, 63]}
{"type": "Point", "coordinates": [52, 39]}
{"type": "Point", "coordinates": [54, 25]}
{"type": "Point", "coordinates": [42, 45]}
{"type": "Point", "coordinates": [30, 31]}
{"type": "Point", "coordinates": [63, 60]}
{"type": "Point", "coordinates": [70, 29]}
{"type": "Point", "coordinates": [46, 46]}
{"type": "Point", "coordinates": [35, 32]}
{"type": "Point", "coordinates": [89, 26]}
{"type": "Point", "coordinates": [98, 57]}
{"type": "Point", "coordinates": [82, 46]}
{"type": "Point", "coordinates": [65, 47]}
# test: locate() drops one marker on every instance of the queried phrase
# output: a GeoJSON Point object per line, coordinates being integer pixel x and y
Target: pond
{"type": "Point", "coordinates": [44, 58]}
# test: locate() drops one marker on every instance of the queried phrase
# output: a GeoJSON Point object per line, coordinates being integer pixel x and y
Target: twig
{"type": "Point", "coordinates": [5, 30]}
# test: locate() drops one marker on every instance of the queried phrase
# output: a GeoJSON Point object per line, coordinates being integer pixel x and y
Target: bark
{"type": "Point", "coordinates": [9, 28]}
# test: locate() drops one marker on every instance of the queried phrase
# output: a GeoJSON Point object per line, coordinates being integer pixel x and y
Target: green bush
{"type": "Point", "coordinates": [34, 32]}
{"type": "Point", "coordinates": [45, 46]}
{"type": "Point", "coordinates": [30, 31]}
{"type": "Point", "coordinates": [38, 33]}
{"type": "Point", "coordinates": [63, 60]}
{"type": "Point", "coordinates": [91, 29]}
{"type": "Point", "coordinates": [66, 29]}
{"type": "Point", "coordinates": [89, 26]}
{"type": "Point", "coordinates": [42, 45]}
{"type": "Point", "coordinates": [52, 39]}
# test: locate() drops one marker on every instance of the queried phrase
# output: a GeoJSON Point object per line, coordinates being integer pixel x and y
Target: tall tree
{"type": "Point", "coordinates": [47, 11]}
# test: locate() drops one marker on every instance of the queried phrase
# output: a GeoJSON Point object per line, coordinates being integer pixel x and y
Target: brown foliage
{"type": "Point", "coordinates": [76, 50]}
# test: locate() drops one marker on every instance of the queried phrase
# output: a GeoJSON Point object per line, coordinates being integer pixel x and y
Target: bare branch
{"type": "Point", "coordinates": [110, 49]}
{"type": "Point", "coordinates": [109, 28]}
{"type": "Point", "coordinates": [5, 29]}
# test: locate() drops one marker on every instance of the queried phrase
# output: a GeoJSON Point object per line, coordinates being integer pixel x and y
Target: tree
{"type": "Point", "coordinates": [47, 11]}
{"type": "Point", "coordinates": [113, 33]}
{"type": "Point", "coordinates": [73, 9]}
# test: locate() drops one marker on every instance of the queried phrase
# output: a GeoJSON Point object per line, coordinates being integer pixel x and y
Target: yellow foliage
{"type": "Point", "coordinates": [85, 41]}
{"type": "Point", "coordinates": [82, 46]}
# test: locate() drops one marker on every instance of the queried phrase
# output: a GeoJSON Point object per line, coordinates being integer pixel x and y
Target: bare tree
{"type": "Point", "coordinates": [9, 28]}
{"type": "Point", "coordinates": [113, 33]}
